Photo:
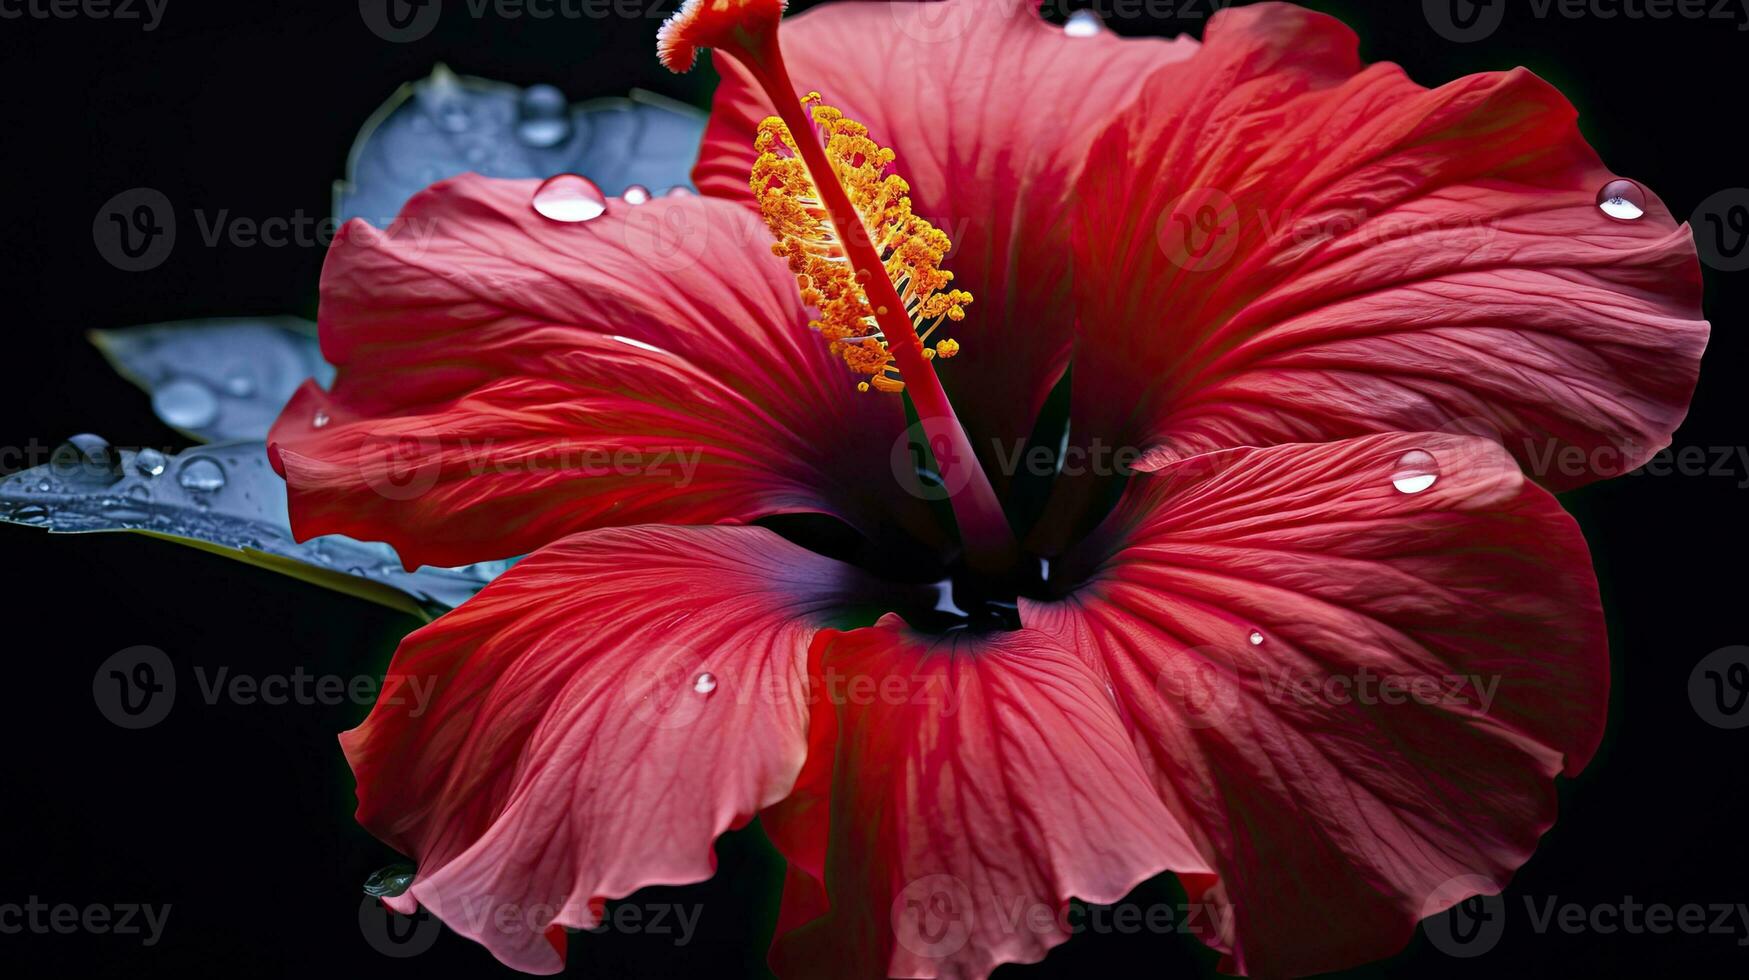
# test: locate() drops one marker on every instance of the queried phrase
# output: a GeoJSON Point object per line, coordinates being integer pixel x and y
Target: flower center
{"type": "Point", "coordinates": [908, 248]}
{"type": "Point", "coordinates": [870, 266]}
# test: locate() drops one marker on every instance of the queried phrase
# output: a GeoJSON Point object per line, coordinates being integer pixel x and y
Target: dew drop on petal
{"type": "Point", "coordinates": [1416, 470]}
{"type": "Point", "coordinates": [1622, 200]}
{"type": "Point", "coordinates": [569, 198]}
{"type": "Point", "coordinates": [1256, 638]}
{"type": "Point", "coordinates": [636, 194]}
{"type": "Point", "coordinates": [185, 403]}
{"type": "Point", "coordinates": [704, 683]}
{"type": "Point", "coordinates": [679, 190]}
{"type": "Point", "coordinates": [202, 475]}
{"type": "Point", "coordinates": [1083, 23]}
{"type": "Point", "coordinates": [321, 420]}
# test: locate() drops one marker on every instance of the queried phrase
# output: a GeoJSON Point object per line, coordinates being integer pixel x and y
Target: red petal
{"type": "Point", "coordinates": [986, 105]}
{"type": "Point", "coordinates": [1250, 609]}
{"type": "Point", "coordinates": [550, 744]}
{"type": "Point", "coordinates": [506, 380]}
{"type": "Point", "coordinates": [977, 784]}
{"type": "Point", "coordinates": [1376, 257]}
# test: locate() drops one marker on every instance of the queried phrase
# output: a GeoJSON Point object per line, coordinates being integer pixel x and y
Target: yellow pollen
{"type": "Point", "coordinates": [909, 248]}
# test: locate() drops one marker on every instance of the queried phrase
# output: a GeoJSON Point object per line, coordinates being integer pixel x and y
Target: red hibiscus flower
{"type": "Point", "coordinates": [1321, 654]}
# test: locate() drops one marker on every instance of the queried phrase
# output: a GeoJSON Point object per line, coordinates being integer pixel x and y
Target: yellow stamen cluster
{"type": "Point", "coordinates": [909, 248]}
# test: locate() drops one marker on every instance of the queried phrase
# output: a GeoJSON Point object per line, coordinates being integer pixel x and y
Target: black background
{"type": "Point", "coordinates": [239, 816]}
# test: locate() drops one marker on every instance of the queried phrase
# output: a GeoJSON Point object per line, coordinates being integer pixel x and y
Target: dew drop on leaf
{"type": "Point", "coordinates": [186, 404]}
{"type": "Point", "coordinates": [202, 474]}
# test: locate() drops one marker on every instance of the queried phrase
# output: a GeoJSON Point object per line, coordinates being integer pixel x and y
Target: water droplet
{"type": "Point", "coordinates": [240, 385]}
{"type": "Point", "coordinates": [1256, 638]}
{"type": "Point", "coordinates": [704, 683]}
{"type": "Point", "coordinates": [543, 101]}
{"type": "Point", "coordinates": [636, 194]}
{"type": "Point", "coordinates": [150, 462]}
{"type": "Point", "coordinates": [1083, 23]}
{"type": "Point", "coordinates": [140, 491]}
{"type": "Point", "coordinates": [202, 475]}
{"type": "Point", "coordinates": [569, 198]}
{"type": "Point", "coordinates": [680, 191]}
{"type": "Point", "coordinates": [122, 510]}
{"type": "Point", "coordinates": [453, 116]}
{"type": "Point", "coordinates": [29, 513]}
{"type": "Point", "coordinates": [390, 881]}
{"type": "Point", "coordinates": [543, 117]}
{"type": "Point", "coordinates": [1416, 470]}
{"type": "Point", "coordinates": [86, 460]}
{"type": "Point", "coordinates": [186, 403]}
{"type": "Point", "coordinates": [1622, 200]}
{"type": "Point", "coordinates": [320, 420]}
